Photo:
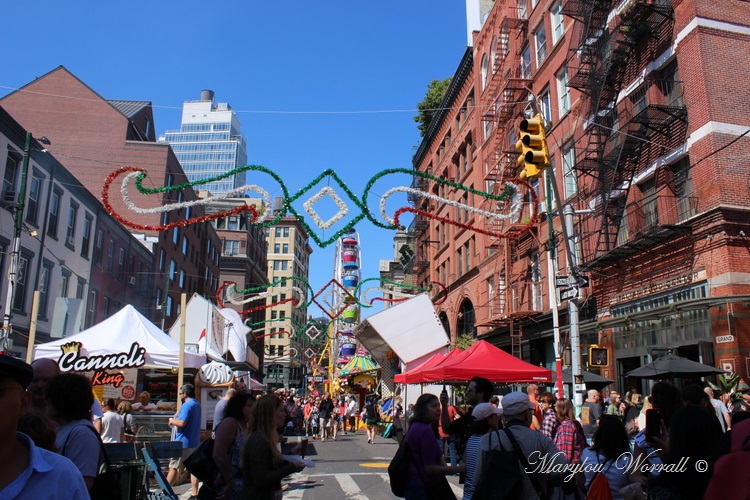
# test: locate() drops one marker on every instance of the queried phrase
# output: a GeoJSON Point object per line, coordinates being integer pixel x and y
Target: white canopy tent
{"type": "Point", "coordinates": [117, 334]}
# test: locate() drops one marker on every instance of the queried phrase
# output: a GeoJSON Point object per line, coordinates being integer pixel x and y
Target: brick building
{"type": "Point", "coordinates": [647, 126]}
{"type": "Point", "coordinates": [93, 137]}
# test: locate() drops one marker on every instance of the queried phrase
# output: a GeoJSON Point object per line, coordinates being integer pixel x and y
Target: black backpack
{"type": "Point", "coordinates": [398, 470]}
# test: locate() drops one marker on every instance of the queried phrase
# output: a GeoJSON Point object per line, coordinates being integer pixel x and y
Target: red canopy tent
{"type": "Point", "coordinates": [485, 360]}
{"type": "Point", "coordinates": [455, 356]}
{"type": "Point", "coordinates": [409, 377]}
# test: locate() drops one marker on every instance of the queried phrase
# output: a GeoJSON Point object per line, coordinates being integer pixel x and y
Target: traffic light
{"type": "Point", "coordinates": [532, 145]}
{"type": "Point", "coordinates": [598, 356]}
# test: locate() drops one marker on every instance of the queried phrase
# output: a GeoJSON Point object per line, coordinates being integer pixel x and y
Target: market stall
{"type": "Point", "coordinates": [124, 355]}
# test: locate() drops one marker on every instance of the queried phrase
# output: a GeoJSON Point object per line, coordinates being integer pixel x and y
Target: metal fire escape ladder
{"type": "Point", "coordinates": [516, 335]}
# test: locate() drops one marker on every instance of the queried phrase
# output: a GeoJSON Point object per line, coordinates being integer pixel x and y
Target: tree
{"type": "Point", "coordinates": [431, 103]}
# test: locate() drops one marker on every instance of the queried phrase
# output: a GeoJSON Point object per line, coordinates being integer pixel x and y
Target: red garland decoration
{"type": "Point", "coordinates": [145, 227]}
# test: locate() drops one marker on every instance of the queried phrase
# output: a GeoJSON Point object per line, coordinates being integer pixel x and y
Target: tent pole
{"type": "Point", "coordinates": [181, 355]}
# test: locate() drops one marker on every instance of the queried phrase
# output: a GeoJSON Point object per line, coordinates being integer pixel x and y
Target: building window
{"type": "Point", "coordinates": [86, 240]}
{"type": "Point", "coordinates": [546, 106]}
{"type": "Point", "coordinates": [285, 248]}
{"type": "Point", "coordinates": [32, 207]}
{"type": "Point", "coordinates": [64, 282]}
{"type": "Point", "coordinates": [540, 41]}
{"type": "Point", "coordinates": [231, 247]}
{"type": "Point", "coordinates": [182, 278]}
{"type": "Point", "coordinates": [286, 232]}
{"type": "Point", "coordinates": [569, 175]}
{"type": "Point", "coordinates": [683, 187]}
{"type": "Point", "coordinates": [44, 282]}
{"type": "Point", "coordinates": [111, 255]}
{"type": "Point", "coordinates": [172, 269]}
{"type": "Point", "coordinates": [233, 223]}
{"type": "Point", "coordinates": [277, 232]}
{"type": "Point", "coordinates": [93, 296]}
{"type": "Point", "coordinates": [70, 234]}
{"type": "Point", "coordinates": [526, 63]}
{"type": "Point", "coordinates": [556, 20]}
{"type": "Point", "coordinates": [175, 235]}
{"type": "Point", "coordinates": [277, 248]}
{"type": "Point", "coordinates": [563, 91]}
{"type": "Point", "coordinates": [105, 308]}
{"type": "Point", "coordinates": [80, 287]}
{"type": "Point", "coordinates": [184, 245]}
{"type": "Point", "coordinates": [54, 213]}
{"type": "Point", "coordinates": [12, 171]}
{"type": "Point", "coordinates": [162, 258]}
{"type": "Point", "coordinates": [280, 350]}
{"type": "Point", "coordinates": [485, 71]}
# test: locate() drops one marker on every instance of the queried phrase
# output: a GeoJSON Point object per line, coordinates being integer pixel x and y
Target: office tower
{"type": "Point", "coordinates": [209, 143]}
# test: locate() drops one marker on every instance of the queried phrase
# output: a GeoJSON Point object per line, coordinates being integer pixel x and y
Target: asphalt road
{"type": "Point", "coordinates": [348, 468]}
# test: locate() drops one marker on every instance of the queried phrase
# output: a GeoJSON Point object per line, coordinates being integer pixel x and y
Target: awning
{"type": "Point", "coordinates": [358, 364]}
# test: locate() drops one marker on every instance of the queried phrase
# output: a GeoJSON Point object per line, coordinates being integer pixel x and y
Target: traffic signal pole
{"type": "Point", "coordinates": [14, 255]}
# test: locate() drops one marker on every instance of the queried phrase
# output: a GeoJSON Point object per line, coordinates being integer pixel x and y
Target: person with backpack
{"type": "Point", "coordinates": [427, 468]}
{"type": "Point", "coordinates": [569, 438]}
{"type": "Point", "coordinates": [478, 391]}
{"type": "Point", "coordinates": [536, 465]}
{"type": "Point", "coordinates": [371, 420]}
{"type": "Point", "coordinates": [486, 419]}
{"type": "Point", "coordinates": [610, 455]}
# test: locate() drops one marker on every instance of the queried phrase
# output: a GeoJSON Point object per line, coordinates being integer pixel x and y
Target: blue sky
{"type": "Point", "coordinates": [316, 85]}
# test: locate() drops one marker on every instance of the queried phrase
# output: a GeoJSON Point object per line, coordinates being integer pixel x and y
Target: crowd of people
{"type": "Point", "coordinates": [610, 445]}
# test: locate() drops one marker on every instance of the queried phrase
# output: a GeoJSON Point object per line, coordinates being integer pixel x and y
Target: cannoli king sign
{"type": "Point", "coordinates": [73, 359]}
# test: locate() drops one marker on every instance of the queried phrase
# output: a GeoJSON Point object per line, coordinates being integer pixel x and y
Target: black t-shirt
{"type": "Point", "coordinates": [325, 409]}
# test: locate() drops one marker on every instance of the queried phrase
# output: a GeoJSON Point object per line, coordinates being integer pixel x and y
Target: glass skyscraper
{"type": "Point", "coordinates": [209, 144]}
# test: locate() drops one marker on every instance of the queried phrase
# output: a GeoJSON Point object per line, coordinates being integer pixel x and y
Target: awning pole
{"type": "Point", "coordinates": [181, 354]}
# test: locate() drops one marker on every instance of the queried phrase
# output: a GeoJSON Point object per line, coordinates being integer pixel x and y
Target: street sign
{"type": "Point", "coordinates": [562, 281]}
{"type": "Point", "coordinates": [568, 294]}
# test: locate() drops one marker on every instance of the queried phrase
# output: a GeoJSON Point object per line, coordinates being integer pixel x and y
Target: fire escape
{"type": "Point", "coordinates": [619, 133]}
{"type": "Point", "coordinates": [504, 98]}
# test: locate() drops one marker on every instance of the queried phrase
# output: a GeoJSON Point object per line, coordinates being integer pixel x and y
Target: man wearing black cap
{"type": "Point", "coordinates": [25, 470]}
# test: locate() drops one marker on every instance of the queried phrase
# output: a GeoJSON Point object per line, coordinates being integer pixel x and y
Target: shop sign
{"type": "Point", "coordinates": [316, 378]}
{"type": "Point", "coordinates": [72, 359]}
{"type": "Point", "coordinates": [722, 339]}
{"type": "Point", "coordinates": [661, 286]}
{"type": "Point", "coordinates": [126, 388]}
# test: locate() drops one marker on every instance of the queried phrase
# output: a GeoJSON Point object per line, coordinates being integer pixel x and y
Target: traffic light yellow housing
{"type": "Point", "coordinates": [532, 146]}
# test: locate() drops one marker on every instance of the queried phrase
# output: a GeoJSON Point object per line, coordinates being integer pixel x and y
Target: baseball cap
{"type": "Point", "coordinates": [16, 369]}
{"type": "Point", "coordinates": [515, 403]}
{"type": "Point", "coordinates": [484, 410]}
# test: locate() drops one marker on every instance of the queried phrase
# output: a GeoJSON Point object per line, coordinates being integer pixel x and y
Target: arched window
{"type": "Point", "coordinates": [485, 71]}
{"type": "Point", "coordinates": [465, 324]}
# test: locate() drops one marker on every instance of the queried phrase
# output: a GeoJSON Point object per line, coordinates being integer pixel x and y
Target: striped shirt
{"type": "Point", "coordinates": [470, 461]}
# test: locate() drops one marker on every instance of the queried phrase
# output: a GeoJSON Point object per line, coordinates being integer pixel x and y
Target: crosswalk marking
{"type": "Point", "coordinates": [349, 487]}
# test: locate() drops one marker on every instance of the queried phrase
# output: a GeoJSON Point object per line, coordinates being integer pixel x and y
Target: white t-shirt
{"type": "Point", "coordinates": [112, 426]}
{"type": "Point", "coordinates": [140, 406]}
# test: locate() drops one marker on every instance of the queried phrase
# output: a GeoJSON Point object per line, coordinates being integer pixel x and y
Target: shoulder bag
{"type": "Point", "coordinates": [107, 482]}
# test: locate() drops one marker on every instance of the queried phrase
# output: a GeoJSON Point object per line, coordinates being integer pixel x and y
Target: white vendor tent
{"type": "Point", "coordinates": [117, 334]}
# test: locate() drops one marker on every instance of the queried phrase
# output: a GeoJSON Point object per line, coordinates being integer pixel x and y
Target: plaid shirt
{"type": "Point", "coordinates": [570, 440]}
{"type": "Point", "coordinates": [549, 424]}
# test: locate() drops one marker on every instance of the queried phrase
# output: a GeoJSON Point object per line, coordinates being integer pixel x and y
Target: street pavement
{"type": "Point", "coordinates": [348, 468]}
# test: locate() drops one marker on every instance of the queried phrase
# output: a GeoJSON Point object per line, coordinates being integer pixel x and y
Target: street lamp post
{"type": "Point", "coordinates": [13, 264]}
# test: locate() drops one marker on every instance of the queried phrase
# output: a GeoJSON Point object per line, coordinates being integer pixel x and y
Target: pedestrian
{"type": "Point", "coordinates": [230, 436]}
{"type": "Point", "coordinates": [666, 398]}
{"type": "Point", "coordinates": [113, 425]}
{"type": "Point", "coordinates": [610, 451]}
{"type": "Point", "coordinates": [547, 402]}
{"type": "Point", "coordinates": [632, 413]}
{"type": "Point", "coordinates": [27, 471]}
{"type": "Point", "coordinates": [427, 468]}
{"type": "Point", "coordinates": [448, 442]}
{"type": "Point", "coordinates": [39, 428]}
{"type": "Point", "coordinates": [371, 420]}
{"type": "Point", "coordinates": [535, 449]}
{"type": "Point", "coordinates": [125, 409]}
{"type": "Point", "coordinates": [351, 411]}
{"type": "Point", "coordinates": [486, 419]}
{"type": "Point", "coordinates": [315, 418]}
{"type": "Point", "coordinates": [188, 424]}
{"type": "Point", "coordinates": [721, 410]}
{"type": "Point", "coordinates": [570, 438]}
{"type": "Point", "coordinates": [615, 402]}
{"type": "Point", "coordinates": [263, 467]}
{"type": "Point", "coordinates": [533, 391]}
{"type": "Point", "coordinates": [69, 400]}
{"type": "Point", "coordinates": [478, 391]}
{"type": "Point", "coordinates": [590, 412]}
{"type": "Point", "coordinates": [221, 406]}
{"type": "Point", "coordinates": [691, 443]}
{"type": "Point", "coordinates": [325, 412]}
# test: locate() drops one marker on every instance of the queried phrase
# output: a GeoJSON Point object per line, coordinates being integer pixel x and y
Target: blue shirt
{"type": "Point", "coordinates": [49, 476]}
{"type": "Point", "coordinates": [190, 433]}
